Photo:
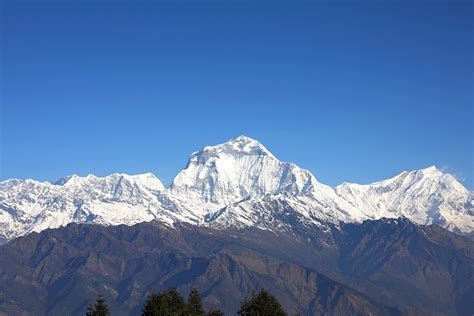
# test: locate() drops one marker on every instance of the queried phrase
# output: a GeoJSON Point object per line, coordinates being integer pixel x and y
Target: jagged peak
{"type": "Point", "coordinates": [237, 145]}
{"type": "Point", "coordinates": [64, 180]}
{"type": "Point", "coordinates": [425, 173]}
{"type": "Point", "coordinates": [430, 171]}
{"type": "Point", "coordinates": [238, 168]}
{"type": "Point", "coordinates": [148, 179]}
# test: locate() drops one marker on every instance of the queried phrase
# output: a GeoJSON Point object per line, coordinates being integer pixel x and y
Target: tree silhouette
{"type": "Point", "coordinates": [172, 303]}
{"type": "Point", "coordinates": [195, 304]}
{"type": "Point", "coordinates": [99, 309]}
{"type": "Point", "coordinates": [261, 304]}
{"type": "Point", "coordinates": [156, 305]}
{"type": "Point", "coordinates": [176, 302]}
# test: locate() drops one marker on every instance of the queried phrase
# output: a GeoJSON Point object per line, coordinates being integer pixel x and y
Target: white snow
{"type": "Point", "coordinates": [238, 183]}
{"type": "Point", "coordinates": [237, 169]}
{"type": "Point", "coordinates": [426, 196]}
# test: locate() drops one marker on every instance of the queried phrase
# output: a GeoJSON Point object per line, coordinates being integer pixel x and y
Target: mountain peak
{"type": "Point", "coordinates": [431, 171]}
{"type": "Point", "coordinates": [243, 140]}
{"type": "Point", "coordinates": [148, 180]}
{"type": "Point", "coordinates": [425, 196]}
{"type": "Point", "coordinates": [236, 169]}
{"type": "Point", "coordinates": [240, 145]}
{"type": "Point", "coordinates": [239, 177]}
{"type": "Point", "coordinates": [67, 179]}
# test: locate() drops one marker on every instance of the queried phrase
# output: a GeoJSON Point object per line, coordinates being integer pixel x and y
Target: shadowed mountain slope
{"type": "Point", "coordinates": [352, 269]}
{"type": "Point", "coordinates": [60, 271]}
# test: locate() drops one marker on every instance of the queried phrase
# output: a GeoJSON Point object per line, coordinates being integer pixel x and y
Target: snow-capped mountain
{"type": "Point", "coordinates": [425, 196]}
{"type": "Point", "coordinates": [242, 168]}
{"type": "Point", "coordinates": [28, 205]}
{"type": "Point", "coordinates": [238, 183]}
{"type": "Point", "coordinates": [238, 169]}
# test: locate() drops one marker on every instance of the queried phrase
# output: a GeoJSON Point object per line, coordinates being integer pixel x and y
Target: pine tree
{"type": "Point", "coordinates": [261, 304]}
{"type": "Point", "coordinates": [156, 305]}
{"type": "Point", "coordinates": [195, 304]}
{"type": "Point", "coordinates": [244, 307]}
{"type": "Point", "coordinates": [176, 302]}
{"type": "Point", "coordinates": [172, 303]}
{"type": "Point", "coordinates": [101, 308]}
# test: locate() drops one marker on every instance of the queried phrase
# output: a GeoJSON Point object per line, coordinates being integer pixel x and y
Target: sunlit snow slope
{"type": "Point", "coordinates": [238, 183]}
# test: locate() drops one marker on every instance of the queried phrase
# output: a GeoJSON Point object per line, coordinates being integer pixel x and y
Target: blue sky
{"type": "Point", "coordinates": [354, 91]}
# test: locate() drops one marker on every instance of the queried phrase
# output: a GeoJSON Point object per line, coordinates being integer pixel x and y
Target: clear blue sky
{"type": "Point", "coordinates": [354, 91]}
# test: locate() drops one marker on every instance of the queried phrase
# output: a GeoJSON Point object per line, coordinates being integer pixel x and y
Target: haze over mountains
{"type": "Point", "coordinates": [235, 184]}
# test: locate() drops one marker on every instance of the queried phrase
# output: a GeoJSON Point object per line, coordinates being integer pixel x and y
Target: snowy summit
{"type": "Point", "coordinates": [238, 183]}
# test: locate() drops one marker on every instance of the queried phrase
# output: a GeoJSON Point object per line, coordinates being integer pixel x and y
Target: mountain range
{"type": "Point", "coordinates": [235, 184]}
{"type": "Point", "coordinates": [381, 267]}
{"type": "Point", "coordinates": [236, 219]}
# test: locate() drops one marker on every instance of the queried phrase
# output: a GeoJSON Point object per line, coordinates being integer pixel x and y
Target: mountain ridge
{"type": "Point", "coordinates": [378, 267]}
{"type": "Point", "coordinates": [237, 183]}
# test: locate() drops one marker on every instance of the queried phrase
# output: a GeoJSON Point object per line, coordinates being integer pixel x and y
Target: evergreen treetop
{"type": "Point", "coordinates": [195, 304]}
{"type": "Point", "coordinates": [261, 304]}
{"type": "Point", "coordinates": [100, 308]}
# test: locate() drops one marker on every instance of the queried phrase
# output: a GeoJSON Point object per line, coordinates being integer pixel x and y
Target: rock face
{"type": "Point", "coordinates": [235, 184]}
{"type": "Point", "coordinates": [383, 267]}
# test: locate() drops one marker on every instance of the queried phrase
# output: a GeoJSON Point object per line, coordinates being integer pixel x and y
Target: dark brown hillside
{"type": "Point", "coordinates": [425, 267]}
{"type": "Point", "coordinates": [423, 270]}
{"type": "Point", "coordinates": [60, 271]}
